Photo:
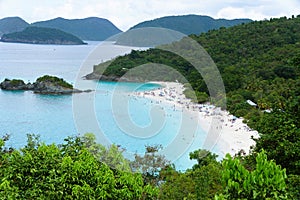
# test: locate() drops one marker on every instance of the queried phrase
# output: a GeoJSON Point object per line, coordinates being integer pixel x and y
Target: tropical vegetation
{"type": "Point", "coordinates": [55, 80]}
{"type": "Point", "coordinates": [258, 61]}
{"type": "Point", "coordinates": [80, 168]}
{"type": "Point", "coordinates": [67, 171]}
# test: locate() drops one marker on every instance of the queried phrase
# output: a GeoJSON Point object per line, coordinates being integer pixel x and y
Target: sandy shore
{"type": "Point", "coordinates": [225, 131]}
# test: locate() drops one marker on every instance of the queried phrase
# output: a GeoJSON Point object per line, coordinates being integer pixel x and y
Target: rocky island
{"type": "Point", "coordinates": [43, 85]}
{"type": "Point", "coordinates": [40, 35]}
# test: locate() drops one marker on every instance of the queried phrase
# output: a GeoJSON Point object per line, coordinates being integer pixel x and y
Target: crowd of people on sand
{"type": "Point", "coordinates": [235, 135]}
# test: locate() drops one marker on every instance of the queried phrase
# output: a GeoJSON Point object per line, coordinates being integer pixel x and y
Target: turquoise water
{"type": "Point", "coordinates": [120, 118]}
{"type": "Point", "coordinates": [50, 116]}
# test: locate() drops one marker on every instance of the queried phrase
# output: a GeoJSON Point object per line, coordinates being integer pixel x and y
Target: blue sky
{"type": "Point", "coordinates": [126, 13]}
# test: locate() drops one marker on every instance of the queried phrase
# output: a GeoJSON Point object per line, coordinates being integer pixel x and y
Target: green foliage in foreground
{"type": "Point", "coordinates": [82, 169]}
{"type": "Point", "coordinates": [55, 80]}
{"type": "Point", "coordinates": [203, 181]}
{"type": "Point", "coordinates": [112, 156]}
{"type": "Point", "coordinates": [69, 171]}
{"type": "Point", "coordinates": [229, 179]}
{"type": "Point", "coordinates": [267, 181]}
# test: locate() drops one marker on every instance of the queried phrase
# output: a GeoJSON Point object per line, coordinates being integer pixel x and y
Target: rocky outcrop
{"type": "Point", "coordinates": [15, 84]}
{"type": "Point", "coordinates": [48, 85]}
{"type": "Point", "coordinates": [45, 87]}
{"type": "Point", "coordinates": [95, 76]}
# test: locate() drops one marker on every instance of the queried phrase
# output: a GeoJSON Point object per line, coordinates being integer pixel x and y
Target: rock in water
{"type": "Point", "coordinates": [15, 84]}
{"type": "Point", "coordinates": [43, 85]}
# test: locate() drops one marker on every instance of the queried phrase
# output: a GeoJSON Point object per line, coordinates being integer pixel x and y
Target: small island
{"type": "Point", "coordinates": [40, 35]}
{"type": "Point", "coordinates": [43, 85]}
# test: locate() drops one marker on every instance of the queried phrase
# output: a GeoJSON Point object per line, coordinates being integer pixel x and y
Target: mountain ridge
{"type": "Point", "coordinates": [190, 24]}
{"type": "Point", "coordinates": [99, 29]}
{"type": "Point", "coordinates": [169, 29]}
{"type": "Point", "coordinates": [91, 28]}
{"type": "Point", "coordinates": [12, 24]}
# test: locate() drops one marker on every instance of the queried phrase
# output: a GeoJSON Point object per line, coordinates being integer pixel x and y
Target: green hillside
{"type": "Point", "coordinates": [91, 28]}
{"type": "Point", "coordinates": [258, 61]}
{"type": "Point", "coordinates": [169, 29]}
{"type": "Point", "coordinates": [260, 52]}
{"type": "Point", "coordinates": [12, 24]}
{"type": "Point", "coordinates": [38, 35]}
{"type": "Point", "coordinates": [190, 24]}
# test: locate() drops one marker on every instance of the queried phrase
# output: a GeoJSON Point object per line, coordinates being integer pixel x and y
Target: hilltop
{"type": "Point", "coordinates": [39, 35]}
{"type": "Point", "coordinates": [92, 28]}
{"type": "Point", "coordinates": [168, 29]}
{"type": "Point", "coordinates": [12, 24]}
{"type": "Point", "coordinates": [99, 29]}
{"type": "Point", "coordinates": [190, 24]}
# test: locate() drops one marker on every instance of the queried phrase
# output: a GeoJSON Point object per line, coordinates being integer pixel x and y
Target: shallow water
{"type": "Point", "coordinates": [120, 118]}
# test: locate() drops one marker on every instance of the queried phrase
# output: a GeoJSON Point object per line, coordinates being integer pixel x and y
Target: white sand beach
{"type": "Point", "coordinates": [227, 132]}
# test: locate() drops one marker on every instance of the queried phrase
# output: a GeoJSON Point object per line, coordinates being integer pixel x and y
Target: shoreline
{"type": "Point", "coordinates": [226, 131]}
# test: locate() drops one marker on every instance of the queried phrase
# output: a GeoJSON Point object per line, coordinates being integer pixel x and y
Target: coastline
{"type": "Point", "coordinates": [232, 134]}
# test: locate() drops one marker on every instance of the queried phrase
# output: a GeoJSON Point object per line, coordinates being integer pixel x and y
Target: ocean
{"type": "Point", "coordinates": [110, 112]}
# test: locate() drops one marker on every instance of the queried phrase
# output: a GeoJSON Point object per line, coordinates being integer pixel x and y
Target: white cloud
{"type": "Point", "coordinates": [126, 13]}
{"type": "Point", "coordinates": [267, 9]}
{"type": "Point", "coordinates": [233, 13]}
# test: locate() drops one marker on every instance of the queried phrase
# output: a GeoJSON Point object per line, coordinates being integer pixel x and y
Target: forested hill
{"type": "Point", "coordinates": [190, 24]}
{"type": "Point", "coordinates": [12, 24]}
{"type": "Point", "coordinates": [258, 61]}
{"type": "Point", "coordinates": [250, 57]}
{"type": "Point", "coordinates": [91, 28]}
{"type": "Point", "coordinates": [39, 35]}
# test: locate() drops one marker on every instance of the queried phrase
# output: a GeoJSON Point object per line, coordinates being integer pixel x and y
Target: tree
{"type": "Point", "coordinates": [150, 164]}
{"type": "Point", "coordinates": [203, 158]}
{"type": "Point", "coordinates": [279, 137]}
{"type": "Point", "coordinates": [177, 185]}
{"type": "Point", "coordinates": [267, 181]}
{"type": "Point", "coordinates": [112, 155]}
{"type": "Point", "coordinates": [203, 181]}
{"type": "Point", "coordinates": [208, 180]}
{"type": "Point", "coordinates": [67, 171]}
{"type": "Point", "coordinates": [206, 174]}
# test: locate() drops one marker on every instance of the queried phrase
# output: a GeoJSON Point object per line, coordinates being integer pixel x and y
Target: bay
{"type": "Point", "coordinates": [52, 116]}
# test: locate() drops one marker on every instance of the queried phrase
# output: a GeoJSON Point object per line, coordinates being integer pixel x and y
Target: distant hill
{"type": "Point", "coordinates": [12, 24]}
{"type": "Point", "coordinates": [148, 37]}
{"type": "Point", "coordinates": [91, 28]}
{"type": "Point", "coordinates": [40, 35]}
{"type": "Point", "coordinates": [190, 24]}
{"type": "Point", "coordinates": [172, 28]}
